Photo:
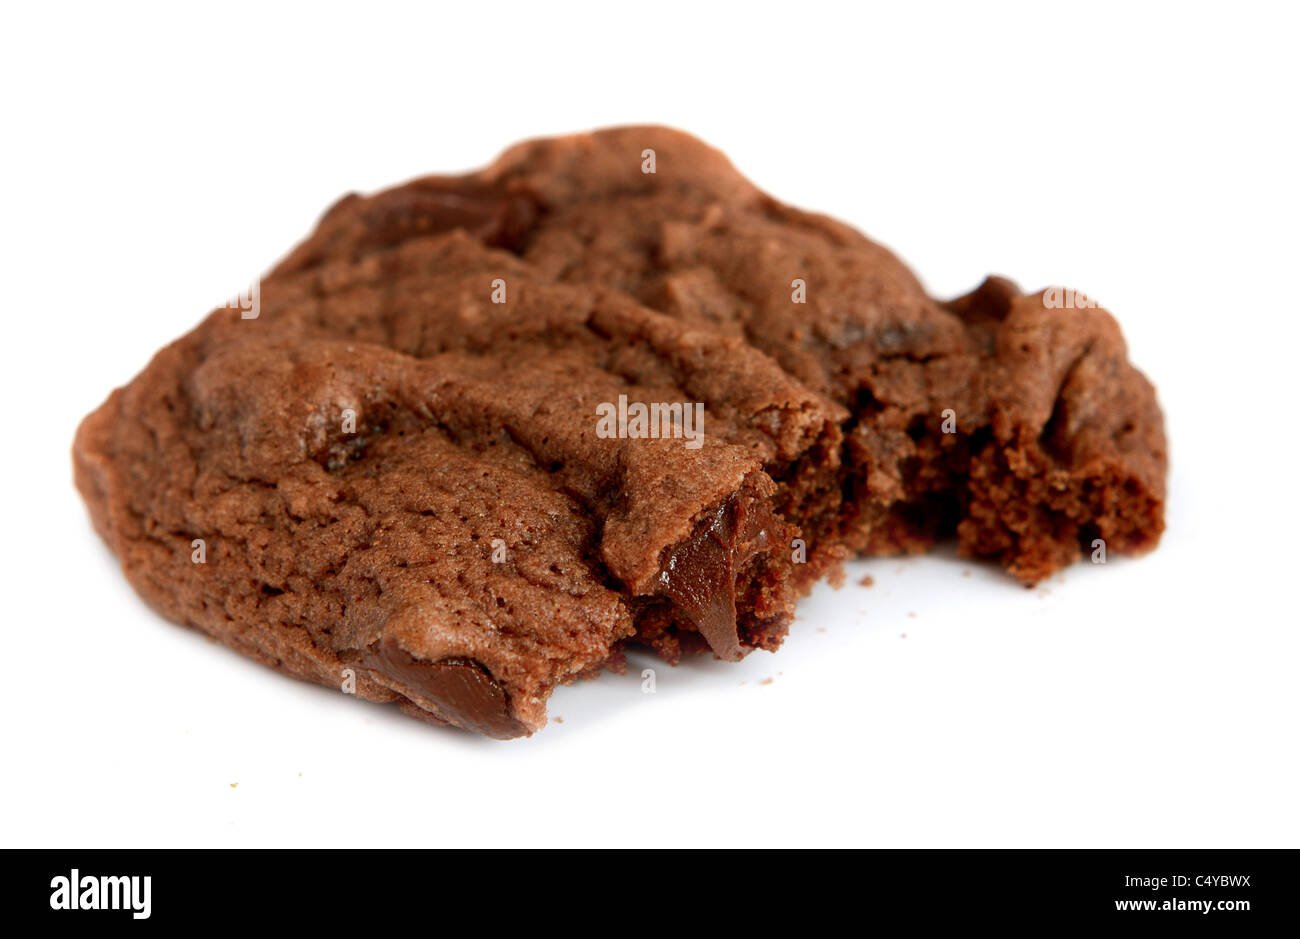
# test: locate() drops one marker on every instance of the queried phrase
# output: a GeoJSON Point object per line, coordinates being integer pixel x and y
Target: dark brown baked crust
{"type": "Point", "coordinates": [472, 542]}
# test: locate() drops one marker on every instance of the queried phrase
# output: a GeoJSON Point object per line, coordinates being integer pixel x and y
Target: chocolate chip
{"type": "Point", "coordinates": [463, 690]}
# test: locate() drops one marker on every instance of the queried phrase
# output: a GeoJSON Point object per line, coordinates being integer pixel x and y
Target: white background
{"type": "Point", "coordinates": [156, 159]}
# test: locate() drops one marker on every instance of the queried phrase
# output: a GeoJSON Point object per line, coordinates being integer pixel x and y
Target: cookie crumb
{"type": "Point", "coordinates": [766, 681]}
{"type": "Point", "coordinates": [867, 581]}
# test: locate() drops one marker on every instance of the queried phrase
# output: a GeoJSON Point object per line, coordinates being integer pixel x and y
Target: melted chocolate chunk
{"type": "Point", "coordinates": [463, 689]}
{"type": "Point", "coordinates": [699, 573]}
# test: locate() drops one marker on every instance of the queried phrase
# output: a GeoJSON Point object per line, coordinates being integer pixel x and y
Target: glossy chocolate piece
{"type": "Point", "coordinates": [463, 690]}
{"type": "Point", "coordinates": [699, 574]}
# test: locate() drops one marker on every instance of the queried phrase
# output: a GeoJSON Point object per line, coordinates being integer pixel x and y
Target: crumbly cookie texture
{"type": "Point", "coordinates": [392, 481]}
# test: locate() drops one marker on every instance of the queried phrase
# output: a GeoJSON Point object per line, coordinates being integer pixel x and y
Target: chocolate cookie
{"type": "Point", "coordinates": [484, 431]}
